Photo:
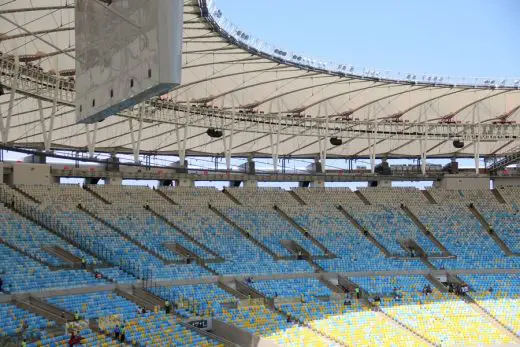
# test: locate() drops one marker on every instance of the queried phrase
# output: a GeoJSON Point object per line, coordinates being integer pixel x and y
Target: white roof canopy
{"type": "Point", "coordinates": [265, 104]}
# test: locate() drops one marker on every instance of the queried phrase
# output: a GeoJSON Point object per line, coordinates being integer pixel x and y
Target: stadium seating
{"type": "Point", "coordinates": [264, 322]}
{"type": "Point", "coordinates": [32, 239]}
{"type": "Point", "coordinates": [505, 222]}
{"type": "Point", "coordinates": [201, 196]}
{"type": "Point", "coordinates": [502, 301]}
{"type": "Point", "coordinates": [198, 300]}
{"type": "Point", "coordinates": [334, 231]}
{"type": "Point", "coordinates": [462, 234]}
{"type": "Point", "coordinates": [96, 305]}
{"type": "Point", "coordinates": [242, 256]}
{"type": "Point", "coordinates": [292, 288]}
{"type": "Point", "coordinates": [22, 274]}
{"type": "Point", "coordinates": [445, 319]}
{"type": "Point", "coordinates": [162, 330]}
{"type": "Point", "coordinates": [88, 338]}
{"type": "Point", "coordinates": [148, 230]}
{"type": "Point", "coordinates": [353, 325]}
{"type": "Point", "coordinates": [389, 225]}
{"type": "Point", "coordinates": [387, 285]}
{"type": "Point", "coordinates": [328, 196]}
{"type": "Point", "coordinates": [270, 228]}
{"type": "Point", "coordinates": [264, 197]}
{"type": "Point", "coordinates": [394, 197]}
{"type": "Point", "coordinates": [13, 319]}
{"type": "Point", "coordinates": [117, 275]}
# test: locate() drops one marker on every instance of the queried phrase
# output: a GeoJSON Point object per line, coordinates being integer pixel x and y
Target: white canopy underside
{"type": "Point", "coordinates": [219, 74]}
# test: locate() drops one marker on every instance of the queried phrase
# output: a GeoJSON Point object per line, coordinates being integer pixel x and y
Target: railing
{"type": "Point", "coordinates": [242, 37]}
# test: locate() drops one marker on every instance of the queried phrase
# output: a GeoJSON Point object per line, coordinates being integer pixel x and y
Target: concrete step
{"type": "Point", "coordinates": [211, 335]}
{"type": "Point", "coordinates": [141, 301]}
{"type": "Point", "coordinates": [498, 196]}
{"type": "Point", "coordinates": [42, 308]}
{"type": "Point", "coordinates": [71, 260]}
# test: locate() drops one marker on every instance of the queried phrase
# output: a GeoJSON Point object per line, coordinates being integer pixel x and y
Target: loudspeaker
{"type": "Point", "coordinates": [458, 144]}
{"type": "Point", "coordinates": [336, 141]}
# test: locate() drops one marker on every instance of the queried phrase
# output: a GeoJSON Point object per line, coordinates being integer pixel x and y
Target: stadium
{"type": "Point", "coordinates": [89, 257]}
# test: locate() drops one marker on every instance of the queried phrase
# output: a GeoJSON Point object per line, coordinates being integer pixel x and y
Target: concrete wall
{"type": "Point", "coordinates": [473, 182]}
{"type": "Point", "coordinates": [239, 336]}
{"type": "Point", "coordinates": [31, 174]}
{"type": "Point", "coordinates": [504, 182]}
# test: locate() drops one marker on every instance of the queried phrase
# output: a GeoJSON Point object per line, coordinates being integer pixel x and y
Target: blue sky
{"type": "Point", "coordinates": [444, 37]}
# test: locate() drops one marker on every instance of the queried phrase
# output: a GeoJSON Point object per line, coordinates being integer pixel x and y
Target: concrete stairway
{"type": "Point", "coordinates": [26, 194]}
{"type": "Point", "coordinates": [362, 197]}
{"type": "Point", "coordinates": [211, 335]}
{"type": "Point", "coordinates": [304, 232]}
{"type": "Point", "coordinates": [489, 230]}
{"type": "Point", "coordinates": [165, 197]}
{"type": "Point", "coordinates": [297, 197]}
{"type": "Point", "coordinates": [244, 232]}
{"type": "Point", "coordinates": [123, 234]}
{"type": "Point", "coordinates": [69, 258]}
{"type": "Point", "coordinates": [426, 232]}
{"type": "Point", "coordinates": [142, 301]}
{"type": "Point", "coordinates": [429, 197]}
{"type": "Point", "coordinates": [42, 308]}
{"type": "Point", "coordinates": [217, 257]}
{"type": "Point", "coordinates": [230, 288]}
{"type": "Point", "coordinates": [144, 296]}
{"type": "Point", "coordinates": [498, 196]}
{"type": "Point", "coordinates": [231, 196]}
{"type": "Point", "coordinates": [436, 283]}
{"type": "Point", "coordinates": [364, 231]}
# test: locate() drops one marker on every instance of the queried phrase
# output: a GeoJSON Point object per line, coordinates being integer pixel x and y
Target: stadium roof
{"type": "Point", "coordinates": [268, 102]}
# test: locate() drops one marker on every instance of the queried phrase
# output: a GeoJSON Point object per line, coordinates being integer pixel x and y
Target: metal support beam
{"type": "Point", "coordinates": [47, 133]}
{"type": "Point", "coordinates": [423, 142]}
{"type": "Point", "coordinates": [274, 137]}
{"type": "Point", "coordinates": [136, 143]}
{"type": "Point", "coordinates": [228, 140]}
{"type": "Point", "coordinates": [476, 141]}
{"type": "Point", "coordinates": [4, 128]}
{"type": "Point", "coordinates": [372, 131]}
{"type": "Point", "coordinates": [91, 132]}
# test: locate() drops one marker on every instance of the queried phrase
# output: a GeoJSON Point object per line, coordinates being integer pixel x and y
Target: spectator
{"type": "Point", "coordinates": [83, 262]}
{"type": "Point", "coordinates": [76, 316]}
{"type": "Point", "coordinates": [123, 333]}
{"type": "Point", "coordinates": [24, 343]}
{"type": "Point", "coordinates": [1, 284]}
{"type": "Point", "coordinates": [117, 332]}
{"type": "Point", "coordinates": [167, 307]}
{"type": "Point", "coordinates": [358, 294]}
{"type": "Point", "coordinates": [490, 289]}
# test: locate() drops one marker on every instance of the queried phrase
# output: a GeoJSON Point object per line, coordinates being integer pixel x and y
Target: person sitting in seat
{"type": "Point", "coordinates": [1, 284]}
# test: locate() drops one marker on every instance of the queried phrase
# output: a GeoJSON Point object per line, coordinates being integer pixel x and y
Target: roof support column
{"type": "Point", "coordinates": [274, 139]}
{"type": "Point", "coordinates": [4, 129]}
{"type": "Point", "coordinates": [476, 135]}
{"type": "Point", "coordinates": [47, 133]}
{"type": "Point", "coordinates": [228, 140]}
{"type": "Point", "coordinates": [136, 143]}
{"type": "Point", "coordinates": [182, 140]}
{"type": "Point", "coordinates": [372, 136]}
{"type": "Point", "coordinates": [323, 138]}
{"type": "Point", "coordinates": [423, 142]}
{"type": "Point", "coordinates": [91, 132]}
